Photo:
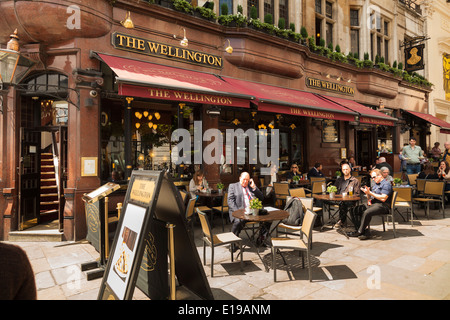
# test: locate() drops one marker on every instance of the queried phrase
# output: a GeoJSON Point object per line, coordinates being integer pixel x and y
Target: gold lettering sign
{"type": "Point", "coordinates": [142, 191]}
{"type": "Point", "coordinates": [144, 46]}
{"type": "Point", "coordinates": [329, 86]}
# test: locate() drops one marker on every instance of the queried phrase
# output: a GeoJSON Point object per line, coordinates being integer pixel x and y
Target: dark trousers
{"type": "Point", "coordinates": [374, 210]}
{"type": "Point", "coordinates": [238, 225]}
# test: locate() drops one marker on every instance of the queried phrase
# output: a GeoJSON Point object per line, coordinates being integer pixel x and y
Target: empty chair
{"type": "Point", "coordinates": [281, 191]}
{"type": "Point", "coordinates": [297, 192]}
{"type": "Point", "coordinates": [412, 179]}
{"type": "Point", "coordinates": [215, 240]}
{"type": "Point", "coordinates": [297, 244]}
{"type": "Point", "coordinates": [404, 200]}
{"type": "Point", "coordinates": [391, 213]}
{"type": "Point", "coordinates": [433, 192]}
{"type": "Point", "coordinates": [223, 209]}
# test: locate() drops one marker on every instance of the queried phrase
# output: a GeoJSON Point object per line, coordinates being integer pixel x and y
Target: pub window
{"type": "Point", "coordinates": [329, 32]}
{"type": "Point", "coordinates": [354, 31]}
{"type": "Point", "coordinates": [329, 10]}
{"type": "Point", "coordinates": [283, 11]}
{"type": "Point", "coordinates": [250, 4]}
{"type": "Point", "coordinates": [268, 7]}
{"type": "Point", "coordinates": [318, 30]}
{"type": "Point", "coordinates": [229, 4]}
{"type": "Point", "coordinates": [380, 36]}
{"type": "Point", "coordinates": [319, 6]}
{"type": "Point", "coordinates": [386, 50]}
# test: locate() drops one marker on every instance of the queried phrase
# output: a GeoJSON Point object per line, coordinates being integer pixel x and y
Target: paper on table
{"type": "Point", "coordinates": [271, 209]}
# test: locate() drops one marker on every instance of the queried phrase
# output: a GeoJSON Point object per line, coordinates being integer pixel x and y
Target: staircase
{"type": "Point", "coordinates": [49, 201]}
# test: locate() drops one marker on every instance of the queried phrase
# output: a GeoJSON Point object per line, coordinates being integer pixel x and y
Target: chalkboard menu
{"type": "Point", "coordinates": [330, 131]}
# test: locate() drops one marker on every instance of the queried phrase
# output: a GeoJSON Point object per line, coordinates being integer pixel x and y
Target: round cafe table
{"type": "Point", "coordinates": [335, 199]}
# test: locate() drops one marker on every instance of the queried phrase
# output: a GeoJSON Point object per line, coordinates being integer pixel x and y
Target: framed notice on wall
{"type": "Point", "coordinates": [330, 131]}
{"type": "Point", "coordinates": [88, 166]}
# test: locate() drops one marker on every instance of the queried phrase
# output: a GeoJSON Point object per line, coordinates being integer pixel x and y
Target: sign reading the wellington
{"type": "Point", "coordinates": [152, 48]}
{"type": "Point", "coordinates": [329, 86]}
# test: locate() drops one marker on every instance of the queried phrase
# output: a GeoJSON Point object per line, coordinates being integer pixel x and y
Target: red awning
{"type": "Point", "coordinates": [366, 114]}
{"type": "Point", "coordinates": [445, 126]}
{"type": "Point", "coordinates": [148, 80]}
{"type": "Point", "coordinates": [293, 102]}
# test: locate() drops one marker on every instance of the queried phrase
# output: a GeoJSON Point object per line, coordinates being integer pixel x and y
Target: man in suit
{"type": "Point", "coordinates": [239, 195]}
{"type": "Point", "coordinates": [316, 171]}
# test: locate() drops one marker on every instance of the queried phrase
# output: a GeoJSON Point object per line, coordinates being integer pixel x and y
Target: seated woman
{"type": "Point", "coordinates": [197, 183]}
{"type": "Point", "coordinates": [428, 172]}
{"type": "Point", "coordinates": [443, 173]}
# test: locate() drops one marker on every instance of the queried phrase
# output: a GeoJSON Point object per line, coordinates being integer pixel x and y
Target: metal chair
{"type": "Point", "coordinates": [281, 192]}
{"type": "Point", "coordinates": [215, 240]}
{"type": "Point", "coordinates": [433, 192]}
{"type": "Point", "coordinates": [223, 208]}
{"type": "Point", "coordinates": [391, 214]}
{"type": "Point", "coordinates": [297, 244]}
{"type": "Point", "coordinates": [412, 179]}
{"type": "Point", "coordinates": [404, 200]}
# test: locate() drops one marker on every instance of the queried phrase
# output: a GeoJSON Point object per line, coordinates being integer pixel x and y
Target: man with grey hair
{"type": "Point", "coordinates": [382, 163]}
{"type": "Point", "coordinates": [386, 175]}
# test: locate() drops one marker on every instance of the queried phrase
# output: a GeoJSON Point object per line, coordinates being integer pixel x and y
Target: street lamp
{"type": "Point", "coordinates": [13, 66]}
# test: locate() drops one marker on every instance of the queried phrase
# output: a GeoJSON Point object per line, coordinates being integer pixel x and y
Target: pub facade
{"type": "Point", "coordinates": [112, 81]}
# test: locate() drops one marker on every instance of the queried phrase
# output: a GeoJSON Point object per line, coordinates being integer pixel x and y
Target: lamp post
{"type": "Point", "coordinates": [13, 66]}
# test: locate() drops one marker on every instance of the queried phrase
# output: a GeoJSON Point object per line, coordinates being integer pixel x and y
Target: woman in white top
{"type": "Point", "coordinates": [197, 183]}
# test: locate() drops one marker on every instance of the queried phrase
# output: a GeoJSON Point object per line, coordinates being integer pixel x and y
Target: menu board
{"type": "Point", "coordinates": [330, 132]}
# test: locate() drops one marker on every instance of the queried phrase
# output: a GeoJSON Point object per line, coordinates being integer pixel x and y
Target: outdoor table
{"type": "Point", "coordinates": [336, 199]}
{"type": "Point", "coordinates": [271, 216]}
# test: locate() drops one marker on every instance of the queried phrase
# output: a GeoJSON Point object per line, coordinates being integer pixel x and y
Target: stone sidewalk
{"type": "Point", "coordinates": [415, 265]}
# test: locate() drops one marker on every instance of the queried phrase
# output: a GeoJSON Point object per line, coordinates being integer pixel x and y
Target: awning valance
{"type": "Point", "coordinates": [366, 114]}
{"type": "Point", "coordinates": [445, 126]}
{"type": "Point", "coordinates": [294, 102]}
{"type": "Point", "coordinates": [148, 80]}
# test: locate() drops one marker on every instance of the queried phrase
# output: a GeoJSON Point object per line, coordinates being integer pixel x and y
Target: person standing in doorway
{"type": "Point", "coordinates": [413, 155]}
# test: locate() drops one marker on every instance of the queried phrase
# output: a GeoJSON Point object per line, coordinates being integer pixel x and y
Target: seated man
{"type": "Point", "coordinates": [316, 171]}
{"type": "Point", "coordinates": [382, 163]}
{"type": "Point", "coordinates": [345, 183]}
{"type": "Point", "coordinates": [239, 195]}
{"type": "Point", "coordinates": [379, 199]}
{"type": "Point", "coordinates": [294, 172]}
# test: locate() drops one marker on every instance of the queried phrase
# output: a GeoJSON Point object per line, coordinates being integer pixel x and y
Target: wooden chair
{"type": "Point", "coordinates": [223, 209]}
{"type": "Point", "coordinates": [420, 187]}
{"type": "Point", "coordinates": [391, 214]}
{"type": "Point", "coordinates": [317, 179]}
{"type": "Point", "coordinates": [215, 240]}
{"type": "Point", "coordinates": [433, 192]}
{"type": "Point", "coordinates": [281, 192]}
{"type": "Point", "coordinates": [404, 200]}
{"type": "Point", "coordinates": [317, 187]}
{"type": "Point", "coordinates": [297, 244]}
{"type": "Point", "coordinates": [190, 209]}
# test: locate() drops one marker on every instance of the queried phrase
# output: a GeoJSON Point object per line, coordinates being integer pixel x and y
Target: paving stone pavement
{"type": "Point", "coordinates": [415, 265]}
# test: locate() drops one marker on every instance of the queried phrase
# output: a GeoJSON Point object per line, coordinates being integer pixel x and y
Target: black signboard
{"type": "Point", "coordinates": [414, 58]}
{"type": "Point", "coordinates": [140, 245]}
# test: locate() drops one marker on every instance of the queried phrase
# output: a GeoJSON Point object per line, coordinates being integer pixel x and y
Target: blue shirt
{"type": "Point", "coordinates": [384, 187]}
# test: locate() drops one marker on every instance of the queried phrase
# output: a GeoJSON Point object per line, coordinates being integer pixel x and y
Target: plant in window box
{"type": "Point", "coordinates": [256, 24]}
{"type": "Point", "coordinates": [205, 13]}
{"type": "Point", "coordinates": [183, 6]}
{"type": "Point", "coordinates": [255, 206]}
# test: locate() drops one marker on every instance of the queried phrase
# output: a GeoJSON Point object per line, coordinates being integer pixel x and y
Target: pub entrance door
{"type": "Point", "coordinates": [42, 175]}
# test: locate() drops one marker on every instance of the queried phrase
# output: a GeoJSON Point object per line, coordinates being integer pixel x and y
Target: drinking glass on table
{"type": "Point", "coordinates": [350, 191]}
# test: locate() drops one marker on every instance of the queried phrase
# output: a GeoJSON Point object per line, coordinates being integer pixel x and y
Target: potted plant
{"type": "Point", "coordinates": [338, 173]}
{"type": "Point", "coordinates": [296, 179]}
{"type": "Point", "coordinates": [220, 187]}
{"type": "Point", "coordinates": [332, 191]}
{"type": "Point", "coordinates": [205, 13]}
{"type": "Point", "coordinates": [183, 6]}
{"type": "Point", "coordinates": [255, 206]}
{"type": "Point", "coordinates": [397, 181]}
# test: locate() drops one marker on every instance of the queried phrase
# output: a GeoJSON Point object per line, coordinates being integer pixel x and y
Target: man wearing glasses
{"type": "Point", "coordinates": [379, 199]}
{"type": "Point", "coordinates": [294, 172]}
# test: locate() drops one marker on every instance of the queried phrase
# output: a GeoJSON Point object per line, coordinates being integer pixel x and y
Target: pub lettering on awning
{"type": "Point", "coordinates": [144, 46]}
